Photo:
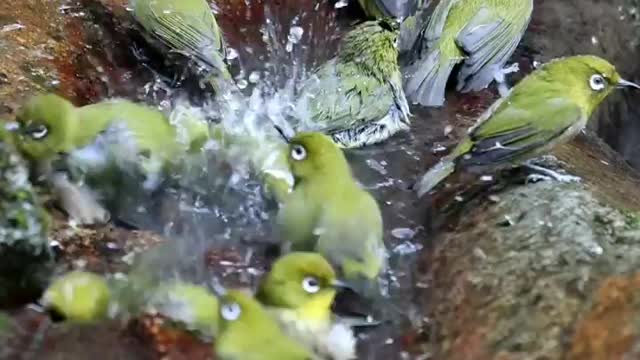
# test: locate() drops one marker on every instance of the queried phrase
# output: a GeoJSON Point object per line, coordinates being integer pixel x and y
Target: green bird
{"type": "Point", "coordinates": [357, 97]}
{"type": "Point", "coordinates": [377, 9]}
{"type": "Point", "coordinates": [481, 35]}
{"type": "Point", "coordinates": [190, 28]}
{"type": "Point", "coordinates": [248, 332]}
{"type": "Point", "coordinates": [548, 107]}
{"type": "Point", "coordinates": [98, 143]}
{"type": "Point", "coordinates": [299, 291]}
{"type": "Point", "coordinates": [329, 213]}
{"type": "Point", "coordinates": [191, 305]}
{"type": "Point", "coordinates": [78, 296]}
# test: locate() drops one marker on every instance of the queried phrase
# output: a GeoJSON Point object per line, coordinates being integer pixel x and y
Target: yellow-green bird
{"type": "Point", "coordinates": [481, 35]}
{"type": "Point", "coordinates": [299, 291]}
{"type": "Point", "coordinates": [190, 28]}
{"type": "Point", "coordinates": [329, 213]}
{"type": "Point", "coordinates": [78, 296]}
{"type": "Point", "coordinates": [390, 8]}
{"type": "Point", "coordinates": [191, 305]}
{"type": "Point", "coordinates": [357, 97]}
{"type": "Point", "coordinates": [248, 332]}
{"type": "Point", "coordinates": [548, 107]}
{"type": "Point", "coordinates": [98, 143]}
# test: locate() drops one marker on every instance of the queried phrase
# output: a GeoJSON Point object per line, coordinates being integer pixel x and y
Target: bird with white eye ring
{"type": "Point", "coordinates": [597, 82]}
{"type": "Point", "coordinates": [298, 152]}
{"type": "Point", "coordinates": [39, 132]}
{"type": "Point", "coordinates": [545, 109]}
{"type": "Point", "coordinates": [247, 332]}
{"type": "Point", "coordinates": [298, 292]}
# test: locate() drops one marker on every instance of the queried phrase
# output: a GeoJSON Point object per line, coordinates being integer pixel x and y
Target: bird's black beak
{"type": "Point", "coordinates": [341, 285]}
{"type": "Point", "coordinates": [627, 84]}
{"type": "Point", "coordinates": [281, 132]}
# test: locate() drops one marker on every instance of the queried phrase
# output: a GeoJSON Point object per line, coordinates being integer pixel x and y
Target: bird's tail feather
{"type": "Point", "coordinates": [428, 79]}
{"type": "Point", "coordinates": [434, 176]}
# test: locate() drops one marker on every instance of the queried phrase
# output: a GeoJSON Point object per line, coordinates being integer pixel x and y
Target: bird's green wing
{"type": "Point", "coordinates": [437, 21]}
{"type": "Point", "coordinates": [520, 128]}
{"type": "Point", "coordinates": [488, 40]}
{"type": "Point", "coordinates": [341, 97]}
{"type": "Point", "coordinates": [186, 26]}
{"type": "Point", "coordinates": [351, 235]}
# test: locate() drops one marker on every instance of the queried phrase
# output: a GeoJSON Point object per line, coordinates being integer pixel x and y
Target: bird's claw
{"type": "Point", "coordinates": [513, 68]}
{"type": "Point", "coordinates": [548, 174]}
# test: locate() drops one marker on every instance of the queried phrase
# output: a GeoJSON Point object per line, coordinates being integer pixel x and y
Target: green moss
{"type": "Point", "coordinates": [25, 256]}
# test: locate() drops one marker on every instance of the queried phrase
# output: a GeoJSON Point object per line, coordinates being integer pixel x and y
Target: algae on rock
{"type": "Point", "coordinates": [25, 256]}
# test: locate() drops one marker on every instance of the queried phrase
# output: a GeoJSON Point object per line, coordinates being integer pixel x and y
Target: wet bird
{"type": "Point", "coordinates": [480, 35]}
{"type": "Point", "coordinates": [78, 296]}
{"type": "Point", "coordinates": [299, 291]}
{"type": "Point", "coordinates": [248, 332]}
{"type": "Point", "coordinates": [329, 213]}
{"type": "Point", "coordinates": [188, 27]}
{"type": "Point", "coordinates": [193, 306]}
{"type": "Point", "coordinates": [548, 107]}
{"type": "Point", "coordinates": [98, 145]}
{"type": "Point", "coordinates": [357, 97]}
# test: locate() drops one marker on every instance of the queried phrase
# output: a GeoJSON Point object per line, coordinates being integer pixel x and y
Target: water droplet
{"type": "Point", "coordinates": [403, 233]}
{"type": "Point", "coordinates": [242, 84]}
{"type": "Point", "coordinates": [407, 248]}
{"type": "Point", "coordinates": [341, 4]}
{"type": "Point", "coordinates": [231, 53]}
{"type": "Point", "coordinates": [254, 77]}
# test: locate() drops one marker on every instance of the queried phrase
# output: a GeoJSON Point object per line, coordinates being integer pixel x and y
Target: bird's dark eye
{"type": "Point", "coordinates": [298, 152]}
{"type": "Point", "coordinates": [597, 82]}
{"type": "Point", "coordinates": [37, 132]}
{"type": "Point", "coordinates": [311, 285]}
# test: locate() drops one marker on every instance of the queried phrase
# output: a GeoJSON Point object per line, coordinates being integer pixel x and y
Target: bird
{"type": "Point", "coordinates": [78, 296]}
{"type": "Point", "coordinates": [329, 213]}
{"type": "Point", "coordinates": [248, 332]}
{"type": "Point", "coordinates": [357, 97]}
{"type": "Point", "coordinates": [298, 291]}
{"type": "Point", "coordinates": [547, 108]}
{"type": "Point", "coordinates": [187, 27]}
{"type": "Point", "coordinates": [480, 35]}
{"type": "Point", "coordinates": [101, 145]}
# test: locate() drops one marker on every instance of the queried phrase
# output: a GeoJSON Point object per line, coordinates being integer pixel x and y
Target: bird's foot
{"type": "Point", "coordinates": [548, 174]}
{"type": "Point", "coordinates": [500, 78]}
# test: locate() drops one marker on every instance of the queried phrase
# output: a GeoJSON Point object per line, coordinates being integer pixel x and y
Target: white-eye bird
{"type": "Point", "coordinates": [188, 27]}
{"type": "Point", "coordinates": [357, 97]}
{"type": "Point", "coordinates": [480, 35]}
{"type": "Point", "coordinates": [547, 108]}
{"type": "Point", "coordinates": [248, 332]}
{"type": "Point", "coordinates": [329, 213]}
{"type": "Point", "coordinates": [101, 145]}
{"type": "Point", "coordinates": [299, 291]}
{"type": "Point", "coordinates": [78, 296]}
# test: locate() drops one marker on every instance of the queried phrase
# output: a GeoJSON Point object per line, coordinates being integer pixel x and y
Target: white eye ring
{"type": "Point", "coordinates": [39, 133]}
{"type": "Point", "coordinates": [298, 152]}
{"type": "Point", "coordinates": [311, 285]}
{"type": "Point", "coordinates": [597, 82]}
{"type": "Point", "coordinates": [231, 311]}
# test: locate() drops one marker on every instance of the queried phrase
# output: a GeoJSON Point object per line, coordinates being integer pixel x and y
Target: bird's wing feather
{"type": "Point", "coordinates": [438, 19]}
{"type": "Point", "coordinates": [192, 35]}
{"type": "Point", "coordinates": [352, 231]}
{"type": "Point", "coordinates": [489, 40]}
{"type": "Point", "coordinates": [514, 131]}
{"type": "Point", "coordinates": [341, 98]}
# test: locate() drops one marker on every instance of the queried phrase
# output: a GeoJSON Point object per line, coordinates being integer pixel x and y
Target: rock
{"type": "Point", "coordinates": [24, 249]}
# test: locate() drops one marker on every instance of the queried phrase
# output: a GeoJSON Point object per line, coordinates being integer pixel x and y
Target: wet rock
{"type": "Point", "coordinates": [537, 273]}
{"type": "Point", "coordinates": [25, 256]}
